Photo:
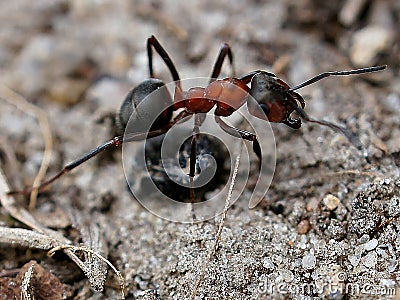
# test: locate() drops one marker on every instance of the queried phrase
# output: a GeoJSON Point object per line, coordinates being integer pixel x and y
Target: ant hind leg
{"type": "Point", "coordinates": [116, 142]}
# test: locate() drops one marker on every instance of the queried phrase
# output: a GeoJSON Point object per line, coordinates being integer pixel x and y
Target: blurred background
{"type": "Point", "coordinates": [60, 41]}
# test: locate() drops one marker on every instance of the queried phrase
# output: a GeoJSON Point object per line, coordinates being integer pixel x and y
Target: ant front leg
{"type": "Point", "coordinates": [223, 52]}
{"type": "Point", "coordinates": [152, 42]}
{"type": "Point", "coordinates": [236, 132]}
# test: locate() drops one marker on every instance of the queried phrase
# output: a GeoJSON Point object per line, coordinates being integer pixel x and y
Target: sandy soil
{"type": "Point", "coordinates": [328, 227]}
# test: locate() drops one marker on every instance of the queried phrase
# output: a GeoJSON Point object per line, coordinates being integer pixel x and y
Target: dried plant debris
{"type": "Point", "coordinates": [25, 106]}
{"type": "Point", "coordinates": [93, 264]}
{"type": "Point", "coordinates": [330, 219]}
{"type": "Point", "coordinates": [27, 238]}
{"type": "Point", "coordinates": [95, 269]}
{"type": "Point", "coordinates": [33, 282]}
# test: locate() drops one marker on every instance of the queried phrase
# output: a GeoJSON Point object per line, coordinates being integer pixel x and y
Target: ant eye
{"type": "Point", "coordinates": [265, 109]}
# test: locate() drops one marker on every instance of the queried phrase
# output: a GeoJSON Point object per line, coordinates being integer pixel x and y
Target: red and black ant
{"type": "Point", "coordinates": [275, 102]}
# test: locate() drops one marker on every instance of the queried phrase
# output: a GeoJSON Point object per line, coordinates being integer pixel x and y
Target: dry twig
{"type": "Point", "coordinates": [220, 227]}
{"type": "Point", "coordinates": [26, 284]}
{"type": "Point", "coordinates": [22, 104]}
{"type": "Point", "coordinates": [41, 237]}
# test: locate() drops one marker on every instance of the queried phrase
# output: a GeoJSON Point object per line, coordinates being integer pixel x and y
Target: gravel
{"type": "Point", "coordinates": [330, 218]}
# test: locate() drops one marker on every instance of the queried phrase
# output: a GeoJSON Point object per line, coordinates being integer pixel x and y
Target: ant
{"type": "Point", "coordinates": [275, 102]}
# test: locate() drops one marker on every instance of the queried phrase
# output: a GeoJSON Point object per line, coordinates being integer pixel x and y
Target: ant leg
{"type": "Point", "coordinates": [236, 132]}
{"type": "Point", "coordinates": [223, 52]}
{"type": "Point", "coordinates": [116, 141]}
{"type": "Point", "coordinates": [153, 42]}
{"type": "Point", "coordinates": [292, 123]}
{"type": "Point", "coordinates": [338, 73]}
{"type": "Point", "coordinates": [198, 121]}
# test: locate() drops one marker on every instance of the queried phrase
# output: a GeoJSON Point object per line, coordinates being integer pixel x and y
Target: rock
{"type": "Point", "coordinates": [351, 11]}
{"type": "Point", "coordinates": [331, 202]}
{"type": "Point", "coordinates": [308, 261]}
{"type": "Point", "coordinates": [368, 42]}
{"type": "Point", "coordinates": [303, 227]}
{"type": "Point", "coordinates": [370, 260]}
{"type": "Point", "coordinates": [371, 245]}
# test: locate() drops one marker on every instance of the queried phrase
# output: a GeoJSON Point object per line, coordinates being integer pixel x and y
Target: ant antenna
{"type": "Point", "coordinates": [353, 139]}
{"type": "Point", "coordinates": [338, 73]}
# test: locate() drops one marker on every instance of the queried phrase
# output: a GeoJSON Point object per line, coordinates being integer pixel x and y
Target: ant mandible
{"type": "Point", "coordinates": [275, 102]}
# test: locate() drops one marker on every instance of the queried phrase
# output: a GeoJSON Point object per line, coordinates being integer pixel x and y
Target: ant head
{"type": "Point", "coordinates": [274, 101]}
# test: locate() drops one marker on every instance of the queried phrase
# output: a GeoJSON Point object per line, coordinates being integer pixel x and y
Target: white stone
{"type": "Point", "coordinates": [308, 261]}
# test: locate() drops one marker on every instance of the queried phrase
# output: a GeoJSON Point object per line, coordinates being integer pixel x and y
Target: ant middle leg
{"type": "Point", "coordinates": [223, 52]}
{"type": "Point", "coordinates": [198, 121]}
{"type": "Point", "coordinates": [244, 134]}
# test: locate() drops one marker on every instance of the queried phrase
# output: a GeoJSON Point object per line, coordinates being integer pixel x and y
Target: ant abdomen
{"type": "Point", "coordinates": [168, 171]}
{"type": "Point", "coordinates": [145, 113]}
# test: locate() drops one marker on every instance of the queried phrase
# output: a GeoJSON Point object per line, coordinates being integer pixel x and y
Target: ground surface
{"type": "Point", "coordinates": [329, 219]}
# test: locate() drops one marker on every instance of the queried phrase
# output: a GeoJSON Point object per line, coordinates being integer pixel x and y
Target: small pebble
{"type": "Point", "coordinates": [312, 205]}
{"type": "Point", "coordinates": [268, 264]}
{"type": "Point", "coordinates": [287, 275]}
{"type": "Point", "coordinates": [303, 227]}
{"type": "Point", "coordinates": [308, 261]}
{"type": "Point", "coordinates": [370, 260]}
{"type": "Point", "coordinates": [368, 43]}
{"type": "Point", "coordinates": [371, 245]}
{"type": "Point", "coordinates": [354, 260]}
{"type": "Point", "coordinates": [363, 239]}
{"type": "Point", "coordinates": [303, 244]}
{"type": "Point", "coordinates": [392, 265]}
{"type": "Point", "coordinates": [331, 202]}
